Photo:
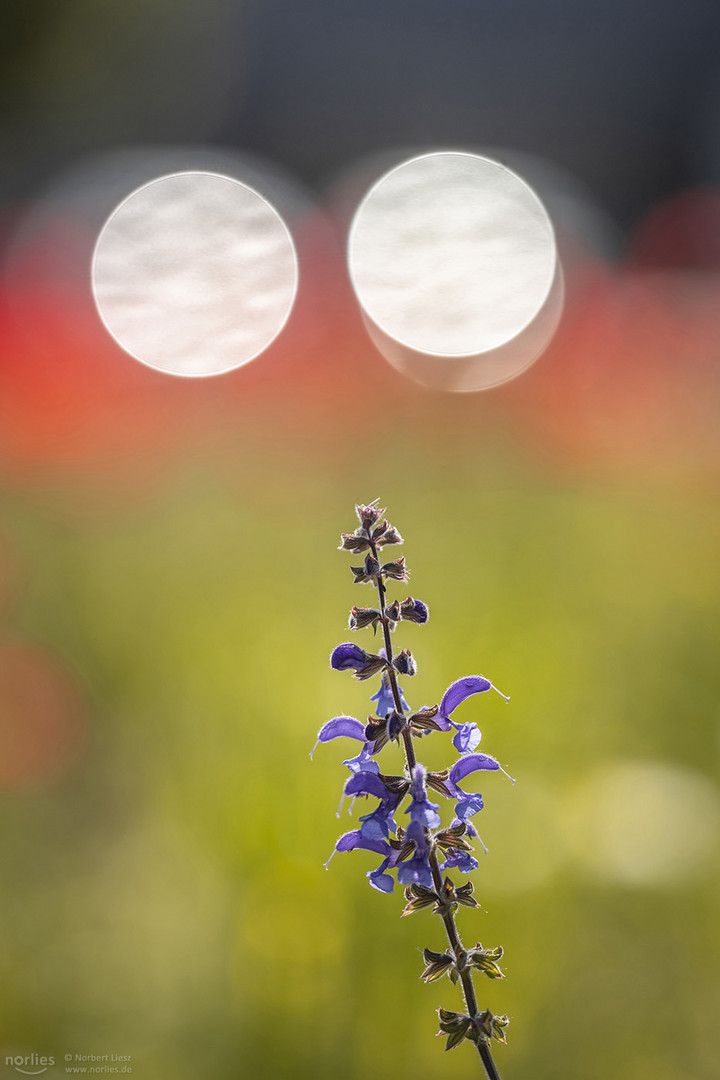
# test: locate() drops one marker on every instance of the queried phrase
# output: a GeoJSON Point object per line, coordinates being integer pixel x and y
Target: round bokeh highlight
{"type": "Point", "coordinates": [454, 263]}
{"type": "Point", "coordinates": [194, 274]}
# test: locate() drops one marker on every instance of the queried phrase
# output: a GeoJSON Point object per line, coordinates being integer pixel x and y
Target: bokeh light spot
{"type": "Point", "coordinates": [194, 274]}
{"type": "Point", "coordinates": [453, 260]}
{"type": "Point", "coordinates": [645, 823]}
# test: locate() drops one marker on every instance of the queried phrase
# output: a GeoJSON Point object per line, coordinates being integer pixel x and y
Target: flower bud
{"type": "Point", "coordinates": [396, 569]}
{"type": "Point", "coordinates": [350, 657]}
{"type": "Point", "coordinates": [396, 724]}
{"type": "Point", "coordinates": [347, 656]}
{"type": "Point", "coordinates": [376, 733]}
{"type": "Point", "coordinates": [362, 617]}
{"type": "Point", "coordinates": [405, 663]}
{"type": "Point", "coordinates": [355, 542]}
{"type": "Point", "coordinates": [485, 960]}
{"type": "Point", "coordinates": [457, 1026]}
{"type": "Point", "coordinates": [392, 611]}
{"type": "Point", "coordinates": [413, 610]}
{"type": "Point", "coordinates": [423, 720]}
{"type": "Point", "coordinates": [418, 897]}
{"type": "Point", "coordinates": [386, 533]}
{"type": "Point", "coordinates": [492, 1027]}
{"type": "Point", "coordinates": [437, 964]}
{"type": "Point", "coordinates": [368, 572]}
{"type": "Point", "coordinates": [369, 515]}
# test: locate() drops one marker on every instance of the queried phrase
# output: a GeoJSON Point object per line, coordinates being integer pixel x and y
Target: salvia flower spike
{"type": "Point", "coordinates": [402, 825]}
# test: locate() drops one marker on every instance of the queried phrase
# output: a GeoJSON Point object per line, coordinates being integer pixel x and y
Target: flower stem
{"type": "Point", "coordinates": [448, 918]}
{"type": "Point", "coordinates": [465, 976]}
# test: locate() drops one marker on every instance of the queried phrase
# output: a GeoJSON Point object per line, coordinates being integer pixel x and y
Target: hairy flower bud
{"type": "Point", "coordinates": [386, 533]}
{"type": "Point", "coordinates": [396, 724]}
{"type": "Point", "coordinates": [437, 965]}
{"type": "Point", "coordinates": [369, 571]}
{"type": "Point", "coordinates": [369, 515]}
{"type": "Point", "coordinates": [355, 542]}
{"type": "Point", "coordinates": [396, 569]}
{"type": "Point", "coordinates": [423, 720]}
{"type": "Point", "coordinates": [485, 960]}
{"type": "Point", "coordinates": [379, 732]}
{"type": "Point", "coordinates": [413, 610]}
{"type": "Point", "coordinates": [404, 663]}
{"type": "Point", "coordinates": [418, 897]}
{"type": "Point", "coordinates": [376, 733]}
{"type": "Point", "coordinates": [392, 611]}
{"type": "Point", "coordinates": [457, 1026]}
{"type": "Point", "coordinates": [361, 617]}
{"type": "Point", "coordinates": [492, 1027]}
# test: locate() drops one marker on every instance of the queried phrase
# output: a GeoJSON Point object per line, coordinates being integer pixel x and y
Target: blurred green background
{"type": "Point", "coordinates": [164, 894]}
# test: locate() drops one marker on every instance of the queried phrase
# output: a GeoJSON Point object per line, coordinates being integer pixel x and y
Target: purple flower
{"type": "Point", "coordinates": [423, 813]}
{"type": "Point", "coordinates": [349, 841]}
{"type": "Point", "coordinates": [385, 699]}
{"type": "Point", "coordinates": [464, 688]}
{"type": "Point", "coordinates": [347, 656]}
{"type": "Point", "coordinates": [423, 816]}
{"type": "Point", "coordinates": [340, 725]}
{"type": "Point", "coordinates": [380, 823]}
{"type": "Point", "coordinates": [363, 762]}
{"type": "Point", "coordinates": [468, 804]}
{"type": "Point", "coordinates": [378, 878]}
{"type": "Point", "coordinates": [462, 861]}
{"type": "Point", "coordinates": [467, 737]}
{"type": "Point", "coordinates": [416, 871]}
{"type": "Point", "coordinates": [352, 729]}
{"type": "Point", "coordinates": [350, 657]}
{"type": "Point", "coordinates": [469, 764]}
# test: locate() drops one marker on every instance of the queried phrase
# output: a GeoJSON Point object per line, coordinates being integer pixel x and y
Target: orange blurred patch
{"type": "Point", "coordinates": [629, 381]}
{"type": "Point", "coordinates": [41, 718]}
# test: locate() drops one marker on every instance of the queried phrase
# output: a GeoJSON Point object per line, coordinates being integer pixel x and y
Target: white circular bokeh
{"type": "Point", "coordinates": [644, 823]}
{"type": "Point", "coordinates": [453, 260]}
{"type": "Point", "coordinates": [194, 274]}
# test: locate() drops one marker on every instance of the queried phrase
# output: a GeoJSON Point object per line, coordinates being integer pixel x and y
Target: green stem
{"type": "Point", "coordinates": [465, 976]}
